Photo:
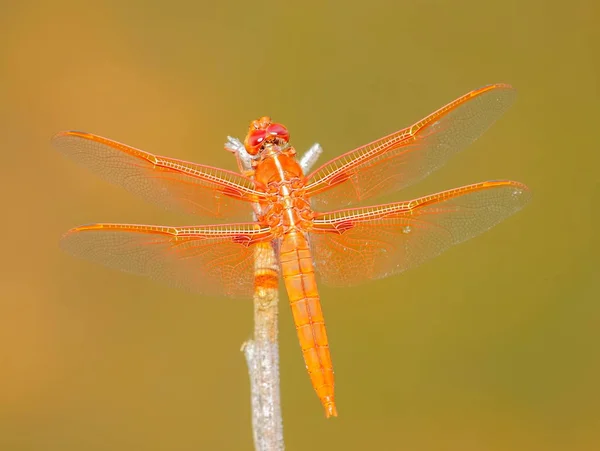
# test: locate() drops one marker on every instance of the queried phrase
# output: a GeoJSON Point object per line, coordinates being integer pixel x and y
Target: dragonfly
{"type": "Point", "coordinates": [315, 222]}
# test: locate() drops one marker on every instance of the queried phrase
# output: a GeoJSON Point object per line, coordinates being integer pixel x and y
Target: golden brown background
{"type": "Point", "coordinates": [492, 346]}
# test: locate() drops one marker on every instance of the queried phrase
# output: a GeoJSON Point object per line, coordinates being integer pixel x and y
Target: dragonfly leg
{"type": "Point", "coordinates": [244, 159]}
{"type": "Point", "coordinates": [310, 157]}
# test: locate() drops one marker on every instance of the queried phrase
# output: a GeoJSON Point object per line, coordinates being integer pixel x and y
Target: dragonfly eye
{"type": "Point", "coordinates": [254, 140]}
{"type": "Point", "coordinates": [279, 131]}
{"type": "Point", "coordinates": [262, 130]}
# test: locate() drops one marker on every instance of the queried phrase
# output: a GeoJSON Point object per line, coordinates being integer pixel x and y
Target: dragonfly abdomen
{"type": "Point", "coordinates": [299, 278]}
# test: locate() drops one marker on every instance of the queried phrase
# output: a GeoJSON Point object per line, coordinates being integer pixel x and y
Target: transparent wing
{"type": "Point", "coordinates": [355, 245]}
{"type": "Point", "coordinates": [214, 260]}
{"type": "Point", "coordinates": [402, 158]}
{"type": "Point", "coordinates": [174, 184]}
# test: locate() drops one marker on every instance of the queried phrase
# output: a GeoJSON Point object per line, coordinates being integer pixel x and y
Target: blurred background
{"type": "Point", "coordinates": [491, 346]}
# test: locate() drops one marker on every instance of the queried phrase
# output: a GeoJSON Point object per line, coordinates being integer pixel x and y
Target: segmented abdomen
{"type": "Point", "coordinates": [299, 278]}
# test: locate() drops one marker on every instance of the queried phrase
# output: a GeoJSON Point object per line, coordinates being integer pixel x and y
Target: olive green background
{"type": "Point", "coordinates": [491, 346]}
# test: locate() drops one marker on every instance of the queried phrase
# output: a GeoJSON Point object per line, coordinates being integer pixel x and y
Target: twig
{"type": "Point", "coordinates": [262, 354]}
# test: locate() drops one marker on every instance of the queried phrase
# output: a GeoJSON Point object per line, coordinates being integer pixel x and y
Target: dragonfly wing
{"type": "Point", "coordinates": [178, 185]}
{"type": "Point", "coordinates": [406, 156]}
{"type": "Point", "coordinates": [217, 260]}
{"type": "Point", "coordinates": [356, 245]}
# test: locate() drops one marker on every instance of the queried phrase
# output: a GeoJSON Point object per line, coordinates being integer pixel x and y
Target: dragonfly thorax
{"type": "Point", "coordinates": [288, 213]}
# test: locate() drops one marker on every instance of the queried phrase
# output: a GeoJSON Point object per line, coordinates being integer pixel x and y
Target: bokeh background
{"type": "Point", "coordinates": [492, 346]}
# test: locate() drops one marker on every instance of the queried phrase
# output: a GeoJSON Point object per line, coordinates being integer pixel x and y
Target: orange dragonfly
{"type": "Point", "coordinates": [345, 246]}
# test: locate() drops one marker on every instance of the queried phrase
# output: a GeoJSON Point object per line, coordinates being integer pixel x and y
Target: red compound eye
{"type": "Point", "coordinates": [253, 140]}
{"type": "Point", "coordinates": [279, 131]}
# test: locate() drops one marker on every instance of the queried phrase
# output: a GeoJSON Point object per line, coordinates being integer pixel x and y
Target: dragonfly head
{"type": "Point", "coordinates": [261, 132]}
